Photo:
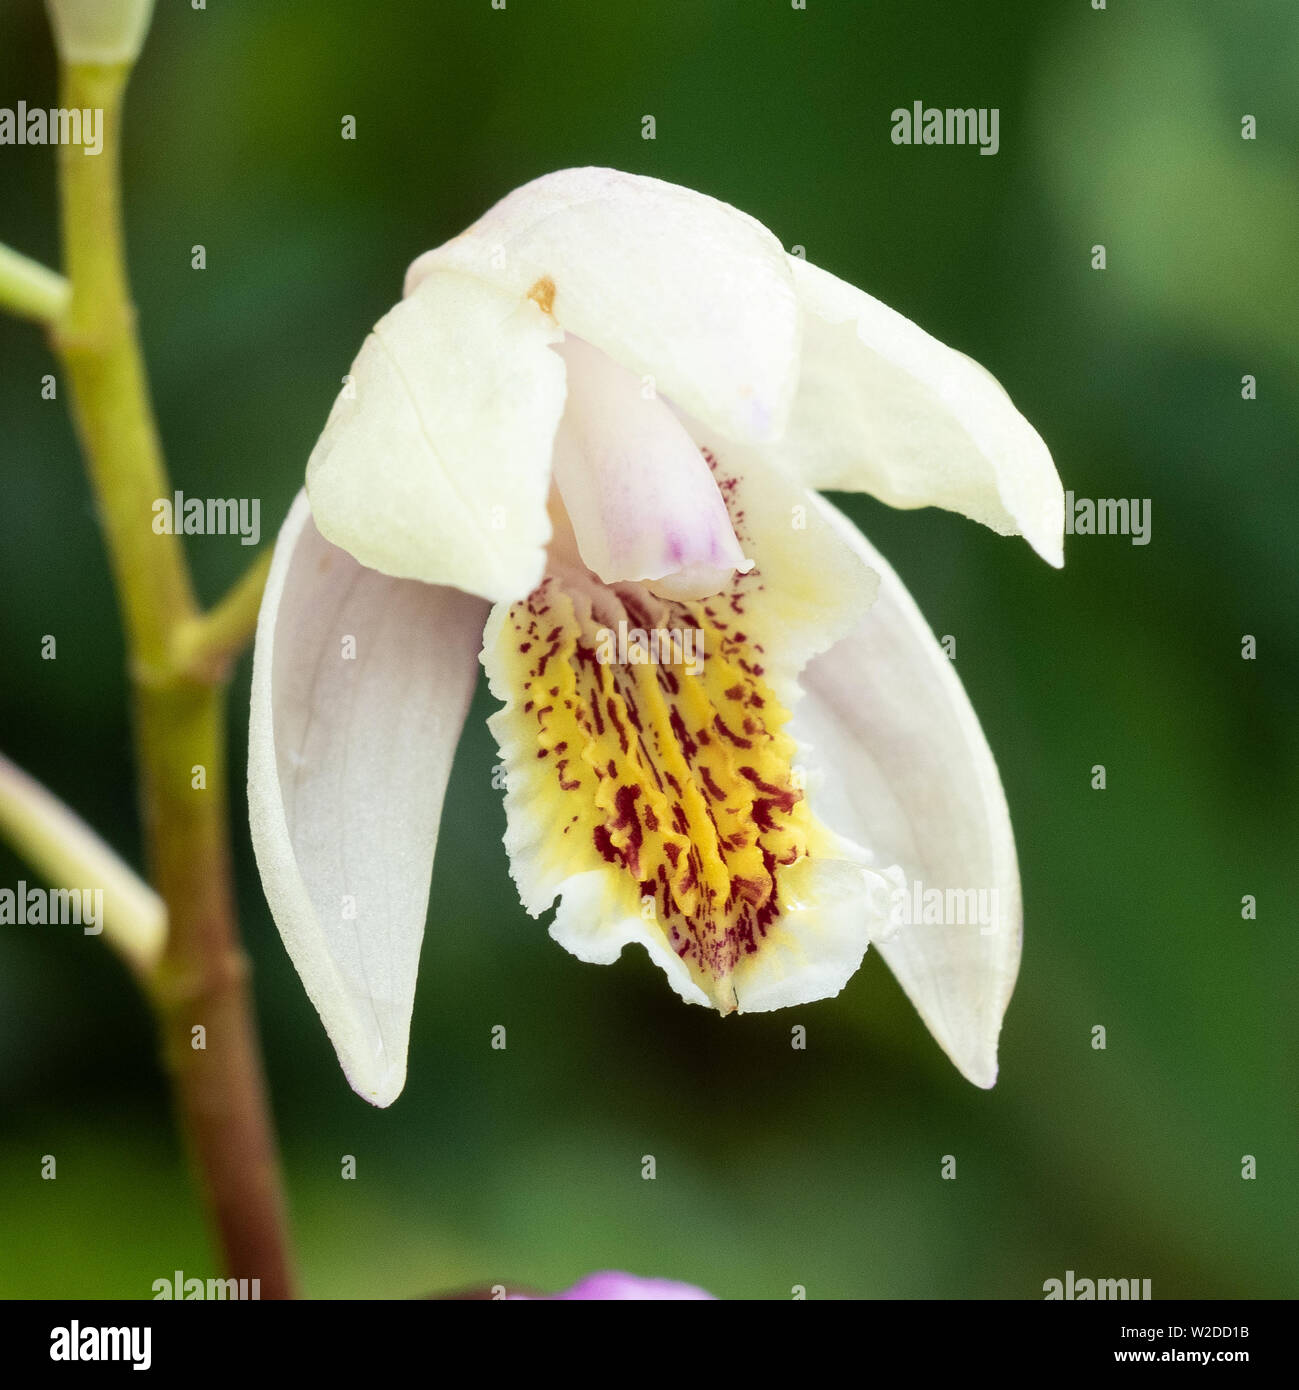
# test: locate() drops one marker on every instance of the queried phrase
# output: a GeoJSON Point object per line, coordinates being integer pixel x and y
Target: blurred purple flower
{"type": "Point", "coordinates": [611, 1283]}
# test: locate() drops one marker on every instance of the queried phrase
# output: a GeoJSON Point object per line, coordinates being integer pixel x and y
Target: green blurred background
{"type": "Point", "coordinates": [775, 1167]}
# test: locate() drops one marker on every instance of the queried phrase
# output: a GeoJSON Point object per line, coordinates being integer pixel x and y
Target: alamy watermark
{"type": "Point", "coordinates": [39, 125]}
{"type": "Point", "coordinates": [215, 1290]}
{"type": "Point", "coordinates": [1099, 1290]}
{"type": "Point", "coordinates": [1108, 516]}
{"type": "Point", "coordinates": [55, 907]}
{"type": "Point", "coordinates": [76, 1343]}
{"type": "Point", "coordinates": [914, 905]}
{"type": "Point", "coordinates": [179, 515]}
{"type": "Point", "coordinates": [656, 646]}
{"type": "Point", "coordinates": [919, 124]}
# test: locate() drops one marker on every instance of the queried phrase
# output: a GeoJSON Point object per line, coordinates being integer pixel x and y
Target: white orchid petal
{"type": "Point", "coordinates": [670, 283]}
{"type": "Point", "coordinates": [360, 687]}
{"type": "Point", "coordinates": [435, 461]}
{"type": "Point", "coordinates": [884, 408]}
{"type": "Point", "coordinates": [909, 775]}
{"type": "Point", "coordinates": [641, 498]}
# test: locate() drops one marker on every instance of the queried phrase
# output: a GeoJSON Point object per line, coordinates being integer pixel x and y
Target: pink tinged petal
{"type": "Point", "coordinates": [641, 498]}
{"type": "Point", "coordinates": [908, 773]}
{"type": "Point", "coordinates": [884, 408]}
{"type": "Point", "coordinates": [360, 687]}
{"type": "Point", "coordinates": [668, 282]}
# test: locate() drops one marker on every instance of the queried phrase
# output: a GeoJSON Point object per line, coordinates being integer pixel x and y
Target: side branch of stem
{"type": "Point", "coordinates": [61, 847]}
{"type": "Point", "coordinates": [29, 289]}
{"type": "Point", "coordinates": [205, 646]}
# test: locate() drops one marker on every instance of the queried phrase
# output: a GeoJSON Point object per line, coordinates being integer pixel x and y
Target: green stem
{"type": "Point", "coordinates": [97, 340]}
{"type": "Point", "coordinates": [200, 987]}
{"type": "Point", "coordinates": [29, 289]}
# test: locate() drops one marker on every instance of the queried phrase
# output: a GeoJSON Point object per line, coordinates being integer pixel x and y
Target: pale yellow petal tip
{"type": "Point", "coordinates": [379, 1086]}
{"type": "Point", "coordinates": [975, 1059]}
{"type": "Point", "coordinates": [375, 1070]}
{"type": "Point", "coordinates": [981, 1071]}
{"type": "Point", "coordinates": [1048, 542]}
{"type": "Point", "coordinates": [1040, 514]}
{"type": "Point", "coordinates": [971, 1043]}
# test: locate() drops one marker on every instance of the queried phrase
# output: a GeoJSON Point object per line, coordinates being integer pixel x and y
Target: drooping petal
{"type": "Point", "coordinates": [643, 503]}
{"type": "Point", "coordinates": [883, 407]}
{"type": "Point", "coordinates": [360, 687]}
{"type": "Point", "coordinates": [435, 461]}
{"type": "Point", "coordinates": [909, 775]}
{"type": "Point", "coordinates": [652, 785]}
{"type": "Point", "coordinates": [670, 283]}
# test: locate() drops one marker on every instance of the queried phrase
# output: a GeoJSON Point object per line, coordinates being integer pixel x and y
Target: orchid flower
{"type": "Point", "coordinates": [602, 412]}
